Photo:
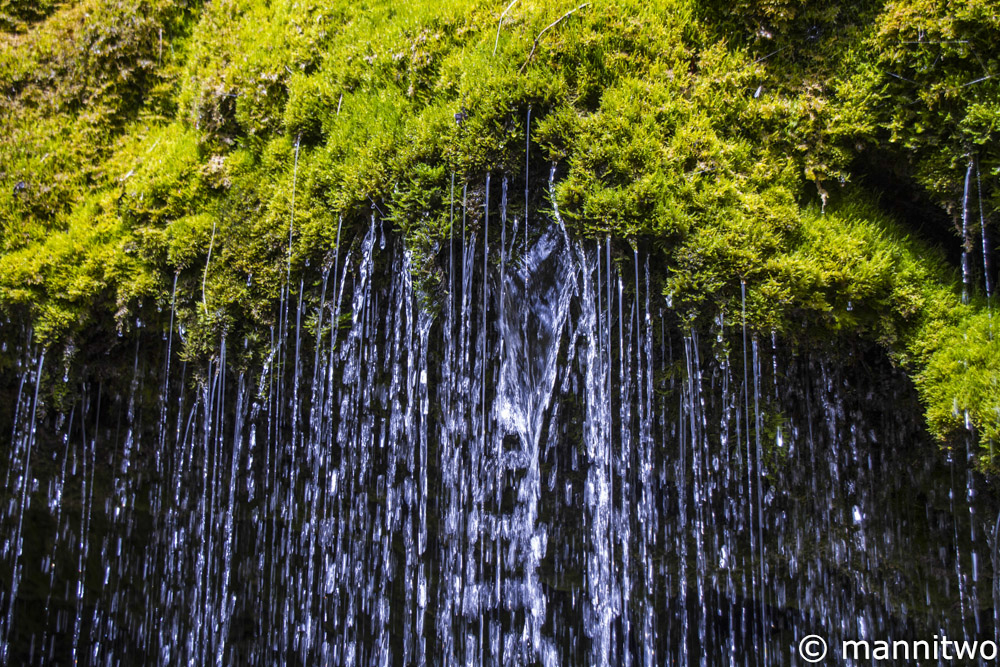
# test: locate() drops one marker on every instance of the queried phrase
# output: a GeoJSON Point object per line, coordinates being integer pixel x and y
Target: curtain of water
{"type": "Point", "coordinates": [541, 465]}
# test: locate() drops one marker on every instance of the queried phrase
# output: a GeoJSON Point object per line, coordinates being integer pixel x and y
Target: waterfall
{"type": "Point", "coordinates": [983, 236]}
{"type": "Point", "coordinates": [540, 464]}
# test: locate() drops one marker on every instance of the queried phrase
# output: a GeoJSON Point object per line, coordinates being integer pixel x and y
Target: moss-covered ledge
{"type": "Point", "coordinates": [156, 157]}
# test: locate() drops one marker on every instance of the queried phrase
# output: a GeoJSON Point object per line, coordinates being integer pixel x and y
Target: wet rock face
{"type": "Point", "coordinates": [539, 467]}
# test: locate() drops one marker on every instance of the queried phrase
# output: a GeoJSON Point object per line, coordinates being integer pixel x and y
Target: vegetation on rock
{"type": "Point", "coordinates": [159, 153]}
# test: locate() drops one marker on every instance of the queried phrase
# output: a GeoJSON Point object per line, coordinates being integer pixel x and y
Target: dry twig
{"type": "Point", "coordinates": [546, 29]}
{"type": "Point", "coordinates": [499, 24]}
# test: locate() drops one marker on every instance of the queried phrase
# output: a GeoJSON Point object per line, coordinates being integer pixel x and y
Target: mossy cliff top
{"type": "Point", "coordinates": [833, 158]}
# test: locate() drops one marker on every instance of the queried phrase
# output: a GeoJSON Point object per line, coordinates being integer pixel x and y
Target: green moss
{"type": "Point", "coordinates": [149, 144]}
{"type": "Point", "coordinates": [939, 97]}
{"type": "Point", "coordinates": [19, 15]}
{"type": "Point", "coordinates": [959, 383]}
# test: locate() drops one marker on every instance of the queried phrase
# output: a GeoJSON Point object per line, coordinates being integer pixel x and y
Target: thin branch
{"type": "Point", "coordinates": [985, 78]}
{"type": "Point", "coordinates": [901, 78]}
{"type": "Point", "coordinates": [375, 206]}
{"type": "Point", "coordinates": [499, 24]}
{"type": "Point", "coordinates": [546, 29]}
{"type": "Point", "coordinates": [204, 277]}
{"type": "Point", "coordinates": [772, 53]}
{"type": "Point", "coordinates": [763, 58]}
{"type": "Point", "coordinates": [986, 70]}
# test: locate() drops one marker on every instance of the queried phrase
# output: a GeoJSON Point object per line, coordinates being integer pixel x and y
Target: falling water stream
{"type": "Point", "coordinates": [536, 465]}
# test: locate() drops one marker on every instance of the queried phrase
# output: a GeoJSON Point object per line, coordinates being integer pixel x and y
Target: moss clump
{"type": "Point", "coordinates": [19, 15]}
{"type": "Point", "coordinates": [159, 153]}
{"type": "Point", "coordinates": [937, 63]}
